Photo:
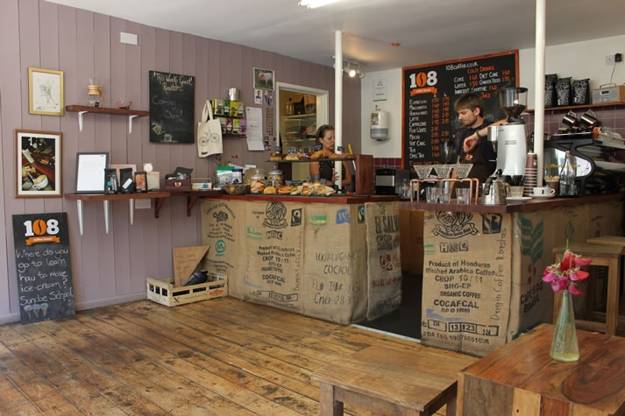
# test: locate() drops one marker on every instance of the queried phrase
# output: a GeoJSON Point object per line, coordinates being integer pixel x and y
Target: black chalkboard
{"type": "Point", "coordinates": [42, 259]}
{"type": "Point", "coordinates": [429, 93]}
{"type": "Point", "coordinates": [172, 103]}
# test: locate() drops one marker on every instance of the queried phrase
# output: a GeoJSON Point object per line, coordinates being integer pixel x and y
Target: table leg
{"type": "Point", "coordinates": [107, 219]}
{"type": "Point", "coordinates": [613, 296]}
{"type": "Point", "coordinates": [131, 206]}
{"type": "Point", "coordinates": [328, 405]}
{"type": "Point", "coordinates": [451, 406]}
{"type": "Point", "coordinates": [80, 218]}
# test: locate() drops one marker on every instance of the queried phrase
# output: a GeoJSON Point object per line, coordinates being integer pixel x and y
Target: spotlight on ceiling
{"type": "Point", "coordinates": [352, 69]}
{"type": "Point", "coordinates": [313, 4]}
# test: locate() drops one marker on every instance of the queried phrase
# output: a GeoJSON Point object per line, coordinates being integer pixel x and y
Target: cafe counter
{"type": "Point", "coordinates": [483, 264]}
{"type": "Point", "coordinates": [335, 258]}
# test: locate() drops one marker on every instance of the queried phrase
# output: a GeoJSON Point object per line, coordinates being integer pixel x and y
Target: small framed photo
{"type": "Point", "coordinates": [39, 159]}
{"type": "Point", "coordinates": [90, 172]}
{"type": "Point", "coordinates": [126, 180]}
{"type": "Point", "coordinates": [110, 181]}
{"type": "Point", "coordinates": [141, 182]}
{"type": "Point", "coordinates": [263, 79]}
{"type": "Point", "coordinates": [45, 92]}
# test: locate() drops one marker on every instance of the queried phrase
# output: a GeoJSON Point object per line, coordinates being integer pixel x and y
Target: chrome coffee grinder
{"type": "Point", "coordinates": [509, 140]}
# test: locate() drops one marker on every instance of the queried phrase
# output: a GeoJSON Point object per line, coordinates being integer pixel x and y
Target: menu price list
{"type": "Point", "coordinates": [431, 90]}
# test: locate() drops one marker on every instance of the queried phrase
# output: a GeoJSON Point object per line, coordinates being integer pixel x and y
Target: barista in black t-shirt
{"type": "Point", "coordinates": [471, 139]}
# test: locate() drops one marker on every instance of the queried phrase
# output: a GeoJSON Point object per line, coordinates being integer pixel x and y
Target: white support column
{"type": "Point", "coordinates": [338, 99]}
{"type": "Point", "coordinates": [107, 216]}
{"type": "Point", "coordinates": [539, 89]}
{"type": "Point", "coordinates": [131, 207]}
{"type": "Point", "coordinates": [80, 217]}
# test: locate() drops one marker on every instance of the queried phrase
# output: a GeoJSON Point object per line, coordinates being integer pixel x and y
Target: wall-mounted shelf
{"type": "Point", "coordinates": [552, 110]}
{"type": "Point", "coordinates": [300, 116]}
{"type": "Point", "coordinates": [225, 116]}
{"type": "Point", "coordinates": [237, 136]}
{"type": "Point", "coordinates": [158, 198]}
{"type": "Point", "coordinates": [83, 109]}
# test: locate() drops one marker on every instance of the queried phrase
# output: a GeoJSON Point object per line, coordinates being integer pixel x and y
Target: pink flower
{"type": "Point", "coordinates": [574, 290]}
{"type": "Point", "coordinates": [564, 275]}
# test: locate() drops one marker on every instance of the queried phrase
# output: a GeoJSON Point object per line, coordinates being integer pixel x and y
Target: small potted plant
{"type": "Point", "coordinates": [564, 277]}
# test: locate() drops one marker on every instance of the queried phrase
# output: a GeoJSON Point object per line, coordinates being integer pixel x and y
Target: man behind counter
{"type": "Point", "coordinates": [471, 139]}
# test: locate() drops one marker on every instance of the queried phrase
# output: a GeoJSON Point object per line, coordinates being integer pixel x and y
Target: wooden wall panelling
{"type": "Point", "coordinates": [143, 219]}
{"type": "Point", "coordinates": [89, 242]}
{"type": "Point", "coordinates": [200, 165]}
{"type": "Point", "coordinates": [9, 115]}
{"type": "Point", "coordinates": [49, 56]}
{"type": "Point", "coordinates": [103, 143]}
{"type": "Point", "coordinates": [163, 158]}
{"type": "Point", "coordinates": [69, 126]}
{"type": "Point", "coordinates": [213, 52]}
{"type": "Point", "coordinates": [29, 56]}
{"type": "Point", "coordinates": [147, 42]}
{"type": "Point", "coordinates": [119, 210]}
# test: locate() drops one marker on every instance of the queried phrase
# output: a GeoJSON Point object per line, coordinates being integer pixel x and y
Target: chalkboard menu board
{"type": "Point", "coordinates": [172, 103]}
{"type": "Point", "coordinates": [429, 93]}
{"type": "Point", "coordinates": [42, 259]}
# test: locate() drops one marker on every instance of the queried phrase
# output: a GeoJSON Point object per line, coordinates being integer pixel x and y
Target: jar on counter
{"type": "Point", "coordinates": [275, 178]}
{"type": "Point", "coordinates": [257, 182]}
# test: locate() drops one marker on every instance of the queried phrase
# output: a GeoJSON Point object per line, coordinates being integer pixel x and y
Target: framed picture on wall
{"type": "Point", "coordinates": [90, 172]}
{"type": "Point", "coordinates": [39, 158]}
{"type": "Point", "coordinates": [263, 79]}
{"type": "Point", "coordinates": [45, 92]}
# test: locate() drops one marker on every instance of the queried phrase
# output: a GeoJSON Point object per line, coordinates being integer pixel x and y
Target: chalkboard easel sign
{"type": "Point", "coordinates": [429, 94]}
{"type": "Point", "coordinates": [172, 103]}
{"type": "Point", "coordinates": [42, 259]}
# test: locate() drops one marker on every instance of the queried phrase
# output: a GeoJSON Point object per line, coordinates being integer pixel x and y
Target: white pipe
{"type": "Point", "coordinates": [338, 98]}
{"type": "Point", "coordinates": [539, 89]}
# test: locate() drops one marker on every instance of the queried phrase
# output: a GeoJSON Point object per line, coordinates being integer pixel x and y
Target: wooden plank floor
{"type": "Point", "coordinates": [220, 357]}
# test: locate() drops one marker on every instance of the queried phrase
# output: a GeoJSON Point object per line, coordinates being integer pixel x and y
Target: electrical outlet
{"type": "Point", "coordinates": [618, 57]}
{"type": "Point", "coordinates": [614, 58]}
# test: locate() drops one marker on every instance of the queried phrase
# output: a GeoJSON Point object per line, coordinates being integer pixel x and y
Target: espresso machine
{"type": "Point", "coordinates": [509, 140]}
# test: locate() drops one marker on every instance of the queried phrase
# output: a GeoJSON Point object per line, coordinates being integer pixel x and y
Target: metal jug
{"type": "Point", "coordinates": [495, 192]}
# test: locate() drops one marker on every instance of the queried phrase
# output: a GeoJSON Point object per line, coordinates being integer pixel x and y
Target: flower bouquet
{"type": "Point", "coordinates": [564, 277]}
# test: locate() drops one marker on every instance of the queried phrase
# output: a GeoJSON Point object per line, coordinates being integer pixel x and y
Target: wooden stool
{"type": "Point", "coordinates": [601, 255]}
{"type": "Point", "coordinates": [392, 382]}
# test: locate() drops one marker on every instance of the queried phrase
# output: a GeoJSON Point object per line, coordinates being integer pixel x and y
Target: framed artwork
{"type": "Point", "coordinates": [39, 159]}
{"type": "Point", "coordinates": [263, 79]}
{"type": "Point", "coordinates": [45, 92]}
{"type": "Point", "coordinates": [90, 172]}
{"type": "Point", "coordinates": [126, 180]}
{"type": "Point", "coordinates": [141, 182]}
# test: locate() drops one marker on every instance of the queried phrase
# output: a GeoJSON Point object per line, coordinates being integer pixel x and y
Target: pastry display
{"type": "Point", "coordinates": [257, 187]}
{"type": "Point", "coordinates": [270, 190]}
{"type": "Point", "coordinates": [291, 156]}
{"type": "Point", "coordinates": [276, 157]}
{"type": "Point", "coordinates": [285, 190]}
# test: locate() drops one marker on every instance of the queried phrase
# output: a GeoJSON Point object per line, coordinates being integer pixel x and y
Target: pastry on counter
{"type": "Point", "coordinates": [307, 190]}
{"type": "Point", "coordinates": [270, 190]}
{"type": "Point", "coordinates": [257, 187]}
{"type": "Point", "coordinates": [291, 156]}
{"type": "Point", "coordinates": [275, 157]}
{"type": "Point", "coordinates": [285, 190]}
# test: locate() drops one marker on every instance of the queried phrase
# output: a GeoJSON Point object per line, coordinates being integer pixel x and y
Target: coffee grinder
{"type": "Point", "coordinates": [509, 140]}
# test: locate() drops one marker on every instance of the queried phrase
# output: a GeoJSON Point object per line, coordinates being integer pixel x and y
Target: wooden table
{"type": "Point", "coordinates": [391, 382]}
{"type": "Point", "coordinates": [521, 379]}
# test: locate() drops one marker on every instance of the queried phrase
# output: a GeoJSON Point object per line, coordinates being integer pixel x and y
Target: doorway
{"type": "Point", "coordinates": [300, 111]}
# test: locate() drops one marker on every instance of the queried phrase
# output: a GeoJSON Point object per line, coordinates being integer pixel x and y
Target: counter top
{"type": "Point", "coordinates": [340, 199]}
{"type": "Point", "coordinates": [520, 206]}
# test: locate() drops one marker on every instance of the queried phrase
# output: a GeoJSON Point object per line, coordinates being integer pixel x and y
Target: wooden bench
{"type": "Point", "coordinates": [392, 382]}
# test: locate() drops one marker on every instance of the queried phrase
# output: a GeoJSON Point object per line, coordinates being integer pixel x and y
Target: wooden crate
{"type": "Point", "coordinates": [164, 292]}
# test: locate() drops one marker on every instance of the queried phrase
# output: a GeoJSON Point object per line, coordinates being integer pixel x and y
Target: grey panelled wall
{"type": "Point", "coordinates": [112, 268]}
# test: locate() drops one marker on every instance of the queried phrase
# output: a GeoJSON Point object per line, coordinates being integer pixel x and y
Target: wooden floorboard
{"type": "Point", "coordinates": [220, 357]}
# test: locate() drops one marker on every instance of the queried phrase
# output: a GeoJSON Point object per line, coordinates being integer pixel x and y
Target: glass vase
{"type": "Point", "coordinates": [564, 343]}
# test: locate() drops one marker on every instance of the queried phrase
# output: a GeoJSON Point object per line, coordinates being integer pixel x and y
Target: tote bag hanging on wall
{"type": "Point", "coordinates": [209, 140]}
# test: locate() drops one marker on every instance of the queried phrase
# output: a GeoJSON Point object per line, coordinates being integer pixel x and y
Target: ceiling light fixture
{"type": "Point", "coordinates": [313, 4]}
{"type": "Point", "coordinates": [352, 69]}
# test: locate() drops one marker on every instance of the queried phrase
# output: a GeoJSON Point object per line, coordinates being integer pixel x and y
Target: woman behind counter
{"type": "Point", "coordinates": [324, 169]}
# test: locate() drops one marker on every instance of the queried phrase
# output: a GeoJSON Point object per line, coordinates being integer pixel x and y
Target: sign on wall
{"type": "Point", "coordinates": [172, 102]}
{"type": "Point", "coordinates": [43, 262]}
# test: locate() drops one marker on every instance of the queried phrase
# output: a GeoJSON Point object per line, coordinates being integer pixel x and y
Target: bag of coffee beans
{"type": "Point", "coordinates": [581, 91]}
{"type": "Point", "coordinates": [563, 91]}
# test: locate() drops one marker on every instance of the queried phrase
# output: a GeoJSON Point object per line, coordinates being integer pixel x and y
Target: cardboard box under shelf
{"type": "Point", "coordinates": [164, 292]}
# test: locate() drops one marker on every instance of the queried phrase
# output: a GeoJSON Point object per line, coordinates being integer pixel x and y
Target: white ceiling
{"type": "Point", "coordinates": [428, 30]}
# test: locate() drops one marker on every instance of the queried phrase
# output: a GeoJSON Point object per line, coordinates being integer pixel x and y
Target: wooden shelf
{"type": "Point", "coordinates": [84, 109]}
{"type": "Point", "coordinates": [579, 107]}
{"type": "Point", "coordinates": [312, 161]}
{"type": "Point", "coordinates": [106, 110]}
{"type": "Point", "coordinates": [299, 116]}
{"type": "Point", "coordinates": [234, 117]}
{"type": "Point", "coordinates": [158, 198]}
{"type": "Point", "coordinates": [238, 136]}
